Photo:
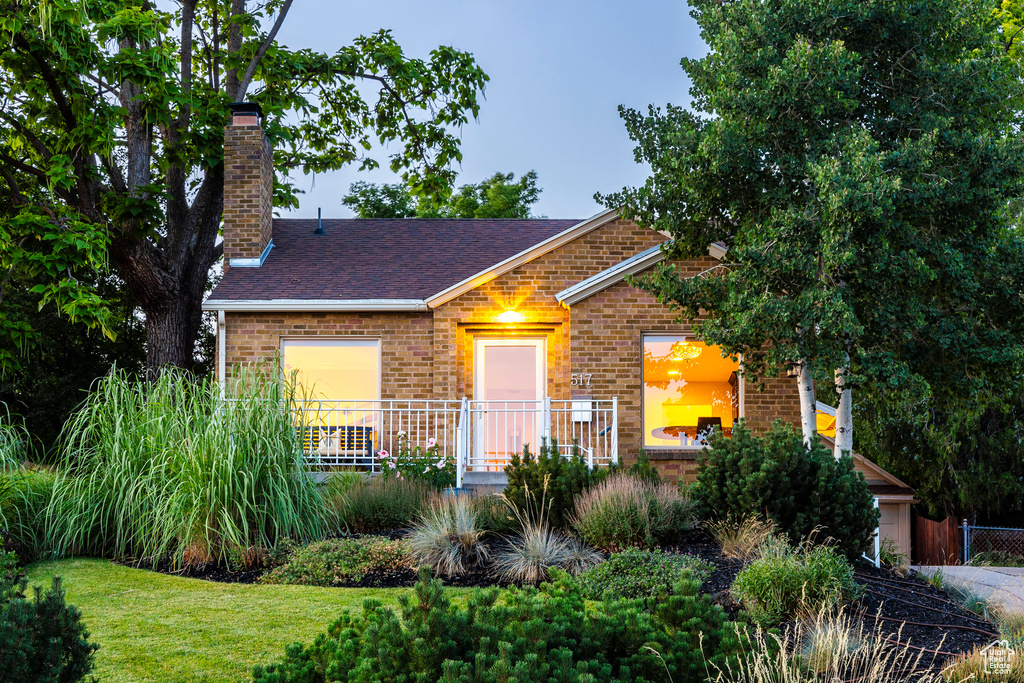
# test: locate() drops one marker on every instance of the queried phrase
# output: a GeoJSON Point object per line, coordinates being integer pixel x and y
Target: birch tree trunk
{"type": "Point", "coordinates": [844, 414]}
{"type": "Point", "coordinates": [808, 416]}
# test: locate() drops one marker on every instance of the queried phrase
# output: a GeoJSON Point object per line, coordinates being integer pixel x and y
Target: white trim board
{"type": "Point", "coordinates": [606, 278]}
{"type": "Point", "coordinates": [536, 251]}
{"type": "Point", "coordinates": [284, 305]}
{"type": "Point", "coordinates": [252, 262]}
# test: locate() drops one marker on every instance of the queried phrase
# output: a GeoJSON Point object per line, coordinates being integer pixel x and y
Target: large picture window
{"type": "Point", "coordinates": [335, 369]}
{"type": "Point", "coordinates": [688, 389]}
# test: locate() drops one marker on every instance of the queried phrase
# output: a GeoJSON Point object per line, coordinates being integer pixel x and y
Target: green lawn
{"type": "Point", "coordinates": [153, 627]}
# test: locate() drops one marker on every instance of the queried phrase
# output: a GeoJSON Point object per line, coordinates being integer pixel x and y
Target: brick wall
{"type": "Point", "coordinates": [248, 189]}
{"type": "Point", "coordinates": [607, 341]}
{"type": "Point", "coordinates": [430, 355]}
{"type": "Point", "coordinates": [406, 342]}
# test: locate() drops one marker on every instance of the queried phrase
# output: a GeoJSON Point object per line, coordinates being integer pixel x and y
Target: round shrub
{"type": "Point", "coordinates": [800, 489]}
{"type": "Point", "coordinates": [788, 582]}
{"type": "Point", "coordinates": [642, 573]}
{"type": "Point", "coordinates": [624, 511]}
{"type": "Point", "coordinates": [339, 561]}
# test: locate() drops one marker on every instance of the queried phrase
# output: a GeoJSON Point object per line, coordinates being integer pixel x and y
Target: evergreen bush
{"type": "Point", "coordinates": [778, 477]}
{"type": "Point", "coordinates": [520, 634]}
{"type": "Point", "coordinates": [42, 638]}
{"type": "Point", "coordinates": [641, 574]}
{"type": "Point", "coordinates": [564, 478]}
{"type": "Point", "coordinates": [339, 561]}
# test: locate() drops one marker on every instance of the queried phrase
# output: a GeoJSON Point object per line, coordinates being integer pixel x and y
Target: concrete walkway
{"type": "Point", "coordinates": [1003, 585]}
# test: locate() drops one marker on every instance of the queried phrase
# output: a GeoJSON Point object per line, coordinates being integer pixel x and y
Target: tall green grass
{"type": "Point", "coordinates": [170, 469]}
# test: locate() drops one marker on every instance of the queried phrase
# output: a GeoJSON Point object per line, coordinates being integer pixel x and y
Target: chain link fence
{"type": "Point", "coordinates": [992, 540]}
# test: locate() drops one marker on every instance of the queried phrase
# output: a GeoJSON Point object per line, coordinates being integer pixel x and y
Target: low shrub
{"type": "Point", "coordinates": [642, 574]}
{"type": "Point", "coordinates": [626, 512]}
{"type": "Point", "coordinates": [565, 478]}
{"type": "Point", "coordinates": [778, 477]}
{"type": "Point", "coordinates": [740, 538]}
{"type": "Point", "coordinates": [381, 504]}
{"type": "Point", "coordinates": [790, 582]}
{"type": "Point", "coordinates": [831, 647]}
{"type": "Point", "coordinates": [420, 462]}
{"type": "Point", "coordinates": [42, 638]}
{"type": "Point", "coordinates": [339, 561]}
{"type": "Point", "coordinates": [447, 537]}
{"type": "Point", "coordinates": [643, 470]}
{"type": "Point", "coordinates": [519, 634]}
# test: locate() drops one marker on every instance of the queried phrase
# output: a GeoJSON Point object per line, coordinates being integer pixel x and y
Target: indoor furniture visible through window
{"type": "Point", "coordinates": [689, 389]}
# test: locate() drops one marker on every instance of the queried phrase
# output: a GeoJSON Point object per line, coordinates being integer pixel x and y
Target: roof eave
{"type": "Point", "coordinates": [312, 305]}
{"type": "Point", "coordinates": [611, 276]}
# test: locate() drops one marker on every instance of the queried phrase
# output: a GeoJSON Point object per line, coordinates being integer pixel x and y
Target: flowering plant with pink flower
{"type": "Point", "coordinates": [410, 461]}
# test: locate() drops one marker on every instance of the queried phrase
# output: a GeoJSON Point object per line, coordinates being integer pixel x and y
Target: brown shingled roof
{"type": "Point", "coordinates": [380, 259]}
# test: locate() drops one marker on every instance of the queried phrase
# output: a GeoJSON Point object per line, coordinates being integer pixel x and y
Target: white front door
{"type": "Point", "coordinates": [509, 380]}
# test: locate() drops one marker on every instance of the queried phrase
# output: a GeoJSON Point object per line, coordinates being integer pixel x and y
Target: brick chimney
{"type": "Point", "coordinates": [248, 188]}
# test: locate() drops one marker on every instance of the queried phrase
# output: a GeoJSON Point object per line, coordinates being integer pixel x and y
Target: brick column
{"type": "Point", "coordinates": [248, 187]}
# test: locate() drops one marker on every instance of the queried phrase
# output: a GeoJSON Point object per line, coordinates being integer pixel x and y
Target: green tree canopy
{"type": "Point", "coordinates": [856, 157]}
{"type": "Point", "coordinates": [112, 115]}
{"type": "Point", "coordinates": [499, 196]}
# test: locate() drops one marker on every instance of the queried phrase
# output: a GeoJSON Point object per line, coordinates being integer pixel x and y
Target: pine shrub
{"type": "Point", "coordinates": [42, 638]}
{"type": "Point", "coordinates": [564, 478]}
{"type": "Point", "coordinates": [777, 477]}
{"type": "Point", "coordinates": [520, 634]}
{"type": "Point", "coordinates": [641, 574]}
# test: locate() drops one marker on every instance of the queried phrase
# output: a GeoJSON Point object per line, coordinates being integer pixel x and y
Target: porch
{"type": "Point", "coordinates": [480, 436]}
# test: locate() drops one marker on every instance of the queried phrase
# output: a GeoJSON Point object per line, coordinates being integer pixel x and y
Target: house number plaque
{"type": "Point", "coordinates": [581, 379]}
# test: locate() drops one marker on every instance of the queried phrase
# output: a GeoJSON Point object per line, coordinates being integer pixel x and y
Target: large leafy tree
{"type": "Point", "coordinates": [856, 157]}
{"type": "Point", "coordinates": [499, 196]}
{"type": "Point", "coordinates": [112, 115]}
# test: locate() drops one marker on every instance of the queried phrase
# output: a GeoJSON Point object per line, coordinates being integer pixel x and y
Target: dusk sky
{"type": "Point", "coordinates": [559, 69]}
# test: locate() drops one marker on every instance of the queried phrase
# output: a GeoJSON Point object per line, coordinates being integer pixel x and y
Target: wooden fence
{"type": "Point", "coordinates": [936, 543]}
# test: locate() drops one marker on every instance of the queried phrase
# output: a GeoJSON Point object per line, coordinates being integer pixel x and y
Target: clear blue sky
{"type": "Point", "coordinates": [558, 68]}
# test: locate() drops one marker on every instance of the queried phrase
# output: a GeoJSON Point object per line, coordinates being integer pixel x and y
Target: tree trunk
{"type": "Point", "coordinates": [844, 415]}
{"type": "Point", "coordinates": [171, 336]}
{"type": "Point", "coordinates": [808, 407]}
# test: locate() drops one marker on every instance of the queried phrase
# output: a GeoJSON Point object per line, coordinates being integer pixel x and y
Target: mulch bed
{"type": "Point", "coordinates": [915, 613]}
{"type": "Point", "coordinates": [909, 610]}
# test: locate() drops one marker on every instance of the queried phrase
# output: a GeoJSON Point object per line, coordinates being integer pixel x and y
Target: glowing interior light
{"type": "Point", "coordinates": [683, 351]}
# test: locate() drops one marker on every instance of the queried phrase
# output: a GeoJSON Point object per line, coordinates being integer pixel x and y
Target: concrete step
{"type": "Point", "coordinates": [485, 478]}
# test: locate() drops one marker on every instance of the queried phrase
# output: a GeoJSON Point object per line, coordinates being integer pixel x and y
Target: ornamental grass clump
{"type": "Point", "coordinates": [447, 537]}
{"type": "Point", "coordinates": [624, 511]}
{"type": "Point", "coordinates": [379, 504]}
{"type": "Point", "coordinates": [537, 548]}
{"type": "Point", "coordinates": [170, 469]}
{"type": "Point", "coordinates": [740, 538]}
{"type": "Point", "coordinates": [831, 646]}
{"type": "Point", "coordinates": [787, 582]}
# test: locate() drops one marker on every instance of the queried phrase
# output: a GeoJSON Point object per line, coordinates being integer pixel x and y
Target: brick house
{"type": "Point", "coordinates": [485, 335]}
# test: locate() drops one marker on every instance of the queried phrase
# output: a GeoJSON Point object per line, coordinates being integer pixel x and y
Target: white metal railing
{"type": "Point", "coordinates": [480, 435]}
